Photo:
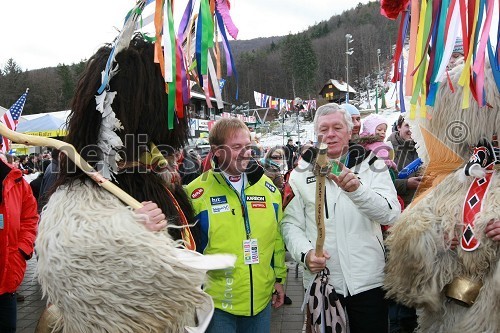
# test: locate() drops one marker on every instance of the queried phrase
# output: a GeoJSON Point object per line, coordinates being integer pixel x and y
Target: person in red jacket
{"type": "Point", "coordinates": [18, 226]}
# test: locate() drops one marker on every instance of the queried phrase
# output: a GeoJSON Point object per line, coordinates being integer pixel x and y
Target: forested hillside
{"type": "Point", "coordinates": [51, 89]}
{"type": "Point", "coordinates": [300, 64]}
{"type": "Point", "coordinates": [282, 66]}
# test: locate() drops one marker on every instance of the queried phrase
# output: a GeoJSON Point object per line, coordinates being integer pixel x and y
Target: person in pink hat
{"type": "Point", "coordinates": [372, 138]}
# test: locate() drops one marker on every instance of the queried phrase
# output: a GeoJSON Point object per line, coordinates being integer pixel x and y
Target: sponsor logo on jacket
{"type": "Point", "coordinates": [258, 205]}
{"type": "Point", "coordinates": [311, 179]}
{"type": "Point", "coordinates": [260, 198]}
{"type": "Point", "coordinates": [197, 193]}
{"type": "Point", "coordinates": [218, 200]}
{"type": "Point", "coordinates": [220, 209]}
{"type": "Point", "coordinates": [271, 188]}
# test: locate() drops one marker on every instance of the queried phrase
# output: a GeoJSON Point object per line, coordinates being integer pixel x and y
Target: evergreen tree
{"type": "Point", "coordinates": [12, 84]}
{"type": "Point", "coordinates": [68, 84]}
{"type": "Point", "coordinates": [300, 63]}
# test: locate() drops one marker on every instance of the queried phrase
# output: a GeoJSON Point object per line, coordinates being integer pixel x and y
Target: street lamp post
{"type": "Point", "coordinates": [298, 103]}
{"type": "Point", "coordinates": [382, 94]}
{"type": "Point", "coordinates": [348, 52]}
{"type": "Point", "coordinates": [378, 76]}
{"type": "Point", "coordinates": [283, 110]}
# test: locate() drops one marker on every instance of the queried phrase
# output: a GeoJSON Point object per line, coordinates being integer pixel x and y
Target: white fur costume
{"type": "Point", "coordinates": [420, 262]}
{"type": "Point", "coordinates": [107, 273]}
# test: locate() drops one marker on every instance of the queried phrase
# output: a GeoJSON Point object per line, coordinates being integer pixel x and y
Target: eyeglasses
{"type": "Point", "coordinates": [276, 157]}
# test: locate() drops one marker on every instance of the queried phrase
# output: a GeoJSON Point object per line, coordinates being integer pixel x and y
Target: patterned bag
{"type": "Point", "coordinates": [326, 312]}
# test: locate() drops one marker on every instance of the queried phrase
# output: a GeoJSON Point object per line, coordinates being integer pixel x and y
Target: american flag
{"type": "Point", "coordinates": [11, 118]}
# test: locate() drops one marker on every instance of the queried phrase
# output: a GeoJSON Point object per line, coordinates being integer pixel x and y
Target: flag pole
{"type": "Point", "coordinates": [73, 155]}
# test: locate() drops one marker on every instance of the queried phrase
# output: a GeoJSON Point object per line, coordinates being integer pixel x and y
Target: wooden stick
{"type": "Point", "coordinates": [73, 155]}
{"type": "Point", "coordinates": [321, 162]}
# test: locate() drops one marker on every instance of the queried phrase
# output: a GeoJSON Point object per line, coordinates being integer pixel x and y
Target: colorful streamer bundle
{"type": "Point", "coordinates": [187, 53]}
{"type": "Point", "coordinates": [181, 55]}
{"type": "Point", "coordinates": [435, 26]}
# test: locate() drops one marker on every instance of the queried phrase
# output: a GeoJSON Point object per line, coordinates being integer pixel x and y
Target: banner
{"type": "Point", "coordinates": [266, 101]}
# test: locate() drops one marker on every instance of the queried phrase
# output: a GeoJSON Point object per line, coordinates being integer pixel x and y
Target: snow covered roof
{"type": "Point", "coordinates": [340, 85]}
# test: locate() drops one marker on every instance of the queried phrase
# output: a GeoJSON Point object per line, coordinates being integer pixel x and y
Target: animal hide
{"type": "Point", "coordinates": [106, 273]}
{"type": "Point", "coordinates": [420, 262]}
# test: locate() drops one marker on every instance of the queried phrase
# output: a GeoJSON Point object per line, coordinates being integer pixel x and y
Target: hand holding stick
{"type": "Point", "coordinates": [73, 155]}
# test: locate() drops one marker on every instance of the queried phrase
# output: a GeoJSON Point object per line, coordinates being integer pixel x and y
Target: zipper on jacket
{"type": "Point", "coordinates": [248, 237]}
{"type": "Point", "coordinates": [326, 205]}
{"type": "Point", "coordinates": [251, 290]}
{"type": "Point", "coordinates": [383, 248]}
{"type": "Point", "coordinates": [390, 207]}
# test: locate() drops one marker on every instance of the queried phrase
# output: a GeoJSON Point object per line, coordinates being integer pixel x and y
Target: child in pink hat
{"type": "Point", "coordinates": [457, 57]}
{"type": "Point", "coordinates": [372, 138]}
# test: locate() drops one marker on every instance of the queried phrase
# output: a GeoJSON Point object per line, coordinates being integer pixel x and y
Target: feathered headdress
{"type": "Point", "coordinates": [200, 24]}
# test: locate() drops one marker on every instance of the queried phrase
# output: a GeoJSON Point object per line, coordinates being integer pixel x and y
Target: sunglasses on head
{"type": "Point", "coordinates": [401, 120]}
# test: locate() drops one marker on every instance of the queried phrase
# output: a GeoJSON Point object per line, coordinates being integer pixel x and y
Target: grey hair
{"type": "Point", "coordinates": [329, 109]}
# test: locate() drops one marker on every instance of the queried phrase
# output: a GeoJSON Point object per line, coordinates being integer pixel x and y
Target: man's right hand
{"type": "Point", "coordinates": [413, 182]}
{"type": "Point", "coordinates": [154, 219]}
{"type": "Point", "coordinates": [316, 264]}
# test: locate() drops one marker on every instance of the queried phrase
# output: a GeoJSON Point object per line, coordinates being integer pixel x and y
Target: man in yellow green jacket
{"type": "Point", "coordinates": [239, 211]}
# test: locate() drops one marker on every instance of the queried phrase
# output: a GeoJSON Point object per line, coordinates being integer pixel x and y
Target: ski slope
{"type": "Point", "coordinates": [306, 129]}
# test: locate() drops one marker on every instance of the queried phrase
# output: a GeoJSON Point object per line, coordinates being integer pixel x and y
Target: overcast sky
{"type": "Point", "coordinates": [39, 34]}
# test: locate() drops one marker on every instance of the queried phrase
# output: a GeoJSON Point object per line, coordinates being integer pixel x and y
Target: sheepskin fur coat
{"type": "Point", "coordinates": [106, 273]}
{"type": "Point", "coordinates": [421, 263]}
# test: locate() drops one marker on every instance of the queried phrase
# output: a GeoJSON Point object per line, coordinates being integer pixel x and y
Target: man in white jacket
{"type": "Point", "coordinates": [360, 197]}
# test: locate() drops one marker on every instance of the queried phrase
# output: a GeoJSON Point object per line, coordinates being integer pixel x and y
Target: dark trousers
{"type": "Point", "coordinates": [8, 313]}
{"type": "Point", "coordinates": [367, 311]}
{"type": "Point", "coordinates": [402, 319]}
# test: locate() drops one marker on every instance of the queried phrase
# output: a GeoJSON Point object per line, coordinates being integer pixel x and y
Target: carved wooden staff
{"type": "Point", "coordinates": [73, 155]}
{"type": "Point", "coordinates": [320, 167]}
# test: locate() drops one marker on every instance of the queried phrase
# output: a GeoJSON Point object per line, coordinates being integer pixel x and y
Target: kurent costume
{"type": "Point", "coordinates": [98, 265]}
{"type": "Point", "coordinates": [106, 273]}
{"type": "Point", "coordinates": [221, 215]}
{"type": "Point", "coordinates": [453, 289]}
{"type": "Point", "coordinates": [356, 249]}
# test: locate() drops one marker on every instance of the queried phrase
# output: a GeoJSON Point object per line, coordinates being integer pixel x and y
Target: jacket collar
{"type": "Point", "coordinates": [356, 154]}
{"type": "Point", "coordinates": [254, 170]}
{"type": "Point", "coordinates": [397, 140]}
